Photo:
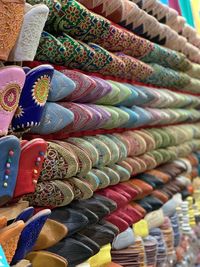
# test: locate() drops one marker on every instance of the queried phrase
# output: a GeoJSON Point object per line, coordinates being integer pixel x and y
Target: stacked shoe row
{"type": "Point", "coordinates": [66, 229]}
{"type": "Point", "coordinates": [98, 147]}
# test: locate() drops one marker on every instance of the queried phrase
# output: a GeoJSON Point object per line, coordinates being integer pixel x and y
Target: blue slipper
{"type": "Point", "coordinates": [54, 118]}
{"type": "Point", "coordinates": [61, 86]}
{"type": "Point", "coordinates": [25, 215]}
{"type": "Point", "coordinates": [129, 102]}
{"type": "Point", "coordinates": [9, 161]}
{"type": "Point", "coordinates": [144, 117]}
{"type": "Point", "coordinates": [133, 118]}
{"type": "Point", "coordinates": [30, 234]}
{"type": "Point", "coordinates": [33, 97]}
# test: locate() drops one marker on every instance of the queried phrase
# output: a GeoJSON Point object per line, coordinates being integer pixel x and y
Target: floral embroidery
{"type": "Point", "coordinates": [11, 18]}
{"type": "Point", "coordinates": [50, 49]}
{"type": "Point", "coordinates": [46, 194]}
{"type": "Point", "coordinates": [9, 98]}
{"type": "Point", "coordinates": [40, 90]}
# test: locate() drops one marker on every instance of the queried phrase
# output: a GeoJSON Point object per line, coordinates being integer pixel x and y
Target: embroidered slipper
{"type": "Point", "coordinates": [129, 102]}
{"type": "Point", "coordinates": [83, 23]}
{"type": "Point", "coordinates": [112, 174]}
{"type": "Point", "coordinates": [114, 149]}
{"type": "Point", "coordinates": [52, 232]}
{"type": "Point", "coordinates": [13, 13]}
{"type": "Point", "coordinates": [138, 144]}
{"type": "Point", "coordinates": [40, 258]}
{"type": "Point", "coordinates": [112, 97]}
{"type": "Point", "coordinates": [102, 89]}
{"type": "Point", "coordinates": [30, 166]}
{"type": "Point", "coordinates": [96, 118]}
{"type": "Point", "coordinates": [126, 165]}
{"type": "Point", "coordinates": [93, 180]}
{"type": "Point", "coordinates": [133, 118]}
{"type": "Point", "coordinates": [12, 81]}
{"type": "Point", "coordinates": [51, 50]}
{"type": "Point", "coordinates": [54, 118]}
{"type": "Point", "coordinates": [9, 237]}
{"type": "Point", "coordinates": [84, 84]}
{"type": "Point", "coordinates": [33, 97]}
{"type": "Point", "coordinates": [102, 148]}
{"type": "Point", "coordinates": [32, 27]}
{"type": "Point", "coordinates": [82, 190]}
{"type": "Point", "coordinates": [10, 154]}
{"type": "Point", "coordinates": [84, 162]}
{"type": "Point", "coordinates": [104, 179]}
{"type": "Point", "coordinates": [86, 146]}
{"type": "Point", "coordinates": [122, 172]}
{"type": "Point", "coordinates": [51, 194]}
{"type": "Point", "coordinates": [113, 119]}
{"type": "Point", "coordinates": [30, 234]}
{"type": "Point", "coordinates": [122, 147]}
{"type": "Point", "coordinates": [61, 86]}
{"type": "Point", "coordinates": [66, 163]}
{"type": "Point", "coordinates": [82, 116]}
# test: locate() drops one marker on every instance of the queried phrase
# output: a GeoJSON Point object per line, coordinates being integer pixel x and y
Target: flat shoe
{"type": "Point", "coordinates": [73, 251]}
{"type": "Point", "coordinates": [40, 258]}
{"type": "Point", "coordinates": [52, 232]}
{"type": "Point", "coordinates": [73, 220]}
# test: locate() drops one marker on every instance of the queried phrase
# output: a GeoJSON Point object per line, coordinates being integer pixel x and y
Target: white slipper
{"type": "Point", "coordinates": [29, 37]}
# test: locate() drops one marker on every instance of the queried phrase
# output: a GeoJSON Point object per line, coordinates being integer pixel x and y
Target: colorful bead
{"type": "Point", "coordinates": [41, 153]}
{"type": "Point", "coordinates": [38, 159]}
{"type": "Point", "coordinates": [6, 177]}
{"type": "Point", "coordinates": [34, 181]}
{"type": "Point", "coordinates": [9, 160]}
{"type": "Point", "coordinates": [11, 153]}
{"type": "Point", "coordinates": [7, 171]}
{"type": "Point", "coordinates": [5, 184]}
{"type": "Point", "coordinates": [8, 165]}
{"type": "Point", "coordinates": [35, 171]}
{"type": "Point", "coordinates": [37, 163]}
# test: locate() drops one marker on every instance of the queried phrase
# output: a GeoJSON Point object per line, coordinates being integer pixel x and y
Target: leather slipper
{"type": "Point", "coordinates": [73, 251]}
{"type": "Point", "coordinates": [73, 220]}
{"type": "Point", "coordinates": [52, 232]}
{"type": "Point", "coordinates": [40, 258]}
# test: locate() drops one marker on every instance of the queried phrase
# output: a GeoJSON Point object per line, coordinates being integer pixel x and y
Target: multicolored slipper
{"type": "Point", "coordinates": [51, 194]}
{"type": "Point", "coordinates": [66, 167]}
{"type": "Point", "coordinates": [10, 154]}
{"type": "Point", "coordinates": [33, 97]}
{"type": "Point", "coordinates": [12, 81]}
